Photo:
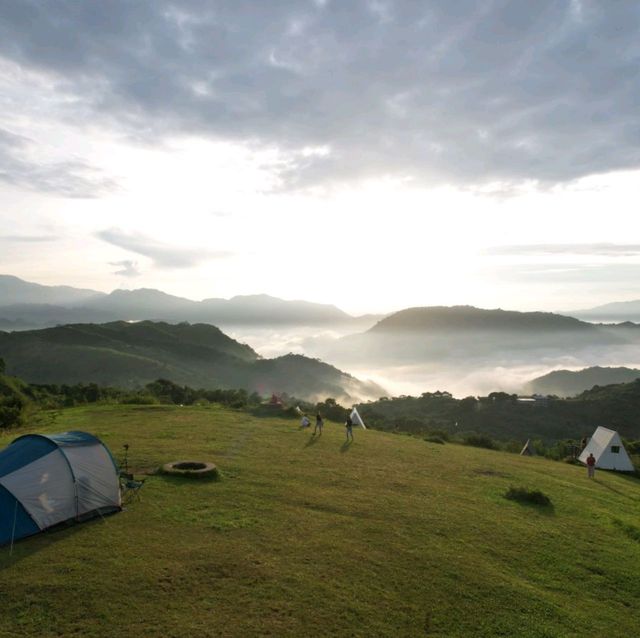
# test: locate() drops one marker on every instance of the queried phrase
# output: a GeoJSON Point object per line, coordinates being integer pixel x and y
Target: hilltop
{"type": "Point", "coordinates": [130, 355]}
{"type": "Point", "coordinates": [392, 536]}
{"type": "Point", "coordinates": [469, 318]}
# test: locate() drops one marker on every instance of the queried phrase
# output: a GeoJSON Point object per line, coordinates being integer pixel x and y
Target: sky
{"type": "Point", "coordinates": [371, 154]}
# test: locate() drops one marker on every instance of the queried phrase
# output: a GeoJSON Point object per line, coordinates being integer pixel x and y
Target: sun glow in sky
{"type": "Point", "coordinates": [299, 162]}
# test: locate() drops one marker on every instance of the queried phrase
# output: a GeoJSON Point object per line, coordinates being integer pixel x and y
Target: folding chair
{"type": "Point", "coordinates": [130, 488]}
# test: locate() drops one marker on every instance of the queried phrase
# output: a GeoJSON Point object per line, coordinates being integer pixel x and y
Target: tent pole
{"type": "Point", "coordinates": [13, 532]}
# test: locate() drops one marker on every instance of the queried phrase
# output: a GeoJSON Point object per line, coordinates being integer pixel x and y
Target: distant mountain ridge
{"type": "Point", "coordinates": [569, 383]}
{"type": "Point", "coordinates": [130, 355]}
{"type": "Point", "coordinates": [24, 305]}
{"type": "Point", "coordinates": [17, 291]}
{"type": "Point", "coordinates": [616, 311]}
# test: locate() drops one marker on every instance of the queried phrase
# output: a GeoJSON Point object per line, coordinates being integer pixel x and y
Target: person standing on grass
{"type": "Point", "coordinates": [591, 465]}
{"type": "Point", "coordinates": [349, 425]}
{"type": "Point", "coordinates": [319, 424]}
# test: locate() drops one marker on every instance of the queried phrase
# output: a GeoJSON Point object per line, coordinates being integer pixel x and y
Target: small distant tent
{"type": "Point", "coordinates": [357, 419]}
{"type": "Point", "coordinates": [528, 450]}
{"type": "Point", "coordinates": [53, 478]}
{"type": "Point", "coordinates": [606, 446]}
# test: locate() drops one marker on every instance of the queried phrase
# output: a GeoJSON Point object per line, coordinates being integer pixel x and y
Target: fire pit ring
{"type": "Point", "coordinates": [191, 469]}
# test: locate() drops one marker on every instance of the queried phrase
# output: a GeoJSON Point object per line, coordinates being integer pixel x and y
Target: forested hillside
{"type": "Point", "coordinates": [503, 416]}
{"type": "Point", "coordinates": [130, 355]}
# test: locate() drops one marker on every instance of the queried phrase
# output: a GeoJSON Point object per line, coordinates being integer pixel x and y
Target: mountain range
{"type": "Point", "coordinates": [130, 355]}
{"type": "Point", "coordinates": [25, 305]}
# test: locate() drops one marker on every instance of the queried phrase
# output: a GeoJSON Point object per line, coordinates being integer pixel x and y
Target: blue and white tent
{"type": "Point", "coordinates": [46, 479]}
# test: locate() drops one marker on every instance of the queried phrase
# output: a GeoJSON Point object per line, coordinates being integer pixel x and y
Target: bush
{"type": "Point", "coordinates": [434, 439]}
{"type": "Point", "coordinates": [531, 497]}
{"type": "Point", "coordinates": [480, 440]}
{"type": "Point", "coordinates": [10, 417]}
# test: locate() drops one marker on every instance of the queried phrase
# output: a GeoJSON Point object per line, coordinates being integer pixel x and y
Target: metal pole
{"type": "Point", "coordinates": [13, 533]}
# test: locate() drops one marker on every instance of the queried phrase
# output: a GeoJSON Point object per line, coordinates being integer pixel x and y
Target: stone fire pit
{"type": "Point", "coordinates": [191, 469]}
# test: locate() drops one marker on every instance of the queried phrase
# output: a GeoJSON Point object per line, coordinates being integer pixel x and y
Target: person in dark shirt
{"type": "Point", "coordinates": [319, 424]}
{"type": "Point", "coordinates": [591, 466]}
{"type": "Point", "coordinates": [349, 425]}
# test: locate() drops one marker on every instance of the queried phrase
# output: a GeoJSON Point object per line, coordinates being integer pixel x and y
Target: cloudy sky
{"type": "Point", "coordinates": [373, 154]}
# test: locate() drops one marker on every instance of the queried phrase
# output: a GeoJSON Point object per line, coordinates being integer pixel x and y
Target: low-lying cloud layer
{"type": "Point", "coordinates": [464, 91]}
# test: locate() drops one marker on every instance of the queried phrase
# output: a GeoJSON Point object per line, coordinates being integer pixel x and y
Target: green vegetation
{"type": "Point", "coordinates": [304, 536]}
{"type": "Point", "coordinates": [130, 355]}
{"type": "Point", "coordinates": [525, 495]}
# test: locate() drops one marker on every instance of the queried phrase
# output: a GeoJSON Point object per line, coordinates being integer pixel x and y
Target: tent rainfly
{"type": "Point", "coordinates": [528, 450]}
{"type": "Point", "coordinates": [606, 446]}
{"type": "Point", "coordinates": [53, 478]}
{"type": "Point", "coordinates": [357, 419]}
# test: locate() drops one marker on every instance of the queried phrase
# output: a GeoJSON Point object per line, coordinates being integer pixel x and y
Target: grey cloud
{"type": "Point", "coordinates": [70, 178]}
{"type": "Point", "coordinates": [162, 255]}
{"type": "Point", "coordinates": [462, 91]}
{"type": "Point", "coordinates": [127, 268]}
{"type": "Point", "coordinates": [596, 249]}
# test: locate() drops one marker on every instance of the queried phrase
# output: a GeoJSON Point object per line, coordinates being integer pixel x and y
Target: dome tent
{"type": "Point", "coordinates": [46, 479]}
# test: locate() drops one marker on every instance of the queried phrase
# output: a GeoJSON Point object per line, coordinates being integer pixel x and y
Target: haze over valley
{"type": "Point", "coordinates": [461, 349]}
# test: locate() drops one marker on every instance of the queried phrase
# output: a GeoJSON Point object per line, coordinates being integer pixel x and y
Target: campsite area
{"type": "Point", "coordinates": [390, 536]}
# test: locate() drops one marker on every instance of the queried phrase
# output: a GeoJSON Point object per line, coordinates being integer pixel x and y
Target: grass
{"type": "Point", "coordinates": [389, 536]}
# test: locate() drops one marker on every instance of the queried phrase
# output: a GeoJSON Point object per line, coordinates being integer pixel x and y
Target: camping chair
{"type": "Point", "coordinates": [129, 488]}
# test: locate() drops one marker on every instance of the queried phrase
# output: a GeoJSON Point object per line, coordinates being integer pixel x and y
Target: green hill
{"type": "Point", "coordinates": [199, 355]}
{"type": "Point", "coordinates": [392, 536]}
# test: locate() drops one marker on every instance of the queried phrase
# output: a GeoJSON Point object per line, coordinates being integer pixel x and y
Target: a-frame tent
{"type": "Point", "coordinates": [356, 419]}
{"type": "Point", "coordinates": [528, 450]}
{"type": "Point", "coordinates": [606, 446]}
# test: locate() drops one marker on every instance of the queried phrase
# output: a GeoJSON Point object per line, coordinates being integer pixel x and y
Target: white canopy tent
{"type": "Point", "coordinates": [606, 446]}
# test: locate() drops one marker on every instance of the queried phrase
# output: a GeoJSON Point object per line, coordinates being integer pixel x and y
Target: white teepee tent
{"type": "Point", "coordinates": [357, 419]}
{"type": "Point", "coordinates": [606, 446]}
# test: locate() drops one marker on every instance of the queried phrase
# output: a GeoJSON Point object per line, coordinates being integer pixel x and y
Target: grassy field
{"type": "Point", "coordinates": [390, 536]}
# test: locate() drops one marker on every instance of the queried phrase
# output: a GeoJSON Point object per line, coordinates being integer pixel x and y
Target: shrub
{"type": "Point", "coordinates": [10, 417]}
{"type": "Point", "coordinates": [524, 495]}
{"type": "Point", "coordinates": [432, 438]}
{"type": "Point", "coordinates": [139, 399]}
